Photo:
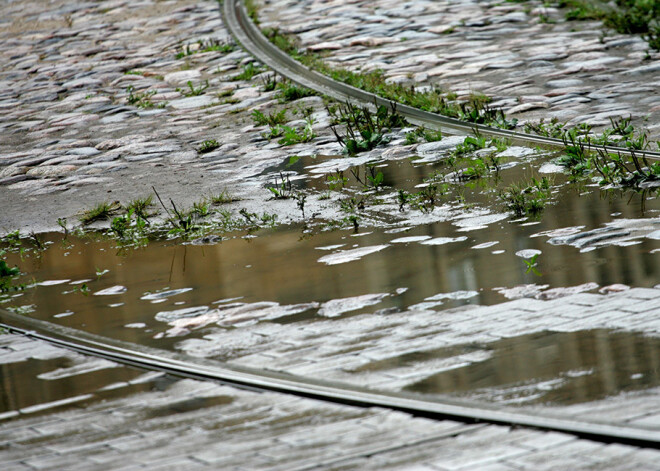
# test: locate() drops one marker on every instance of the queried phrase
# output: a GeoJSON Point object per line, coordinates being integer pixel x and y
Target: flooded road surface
{"type": "Point", "coordinates": [586, 240]}
{"type": "Point", "coordinates": [288, 275]}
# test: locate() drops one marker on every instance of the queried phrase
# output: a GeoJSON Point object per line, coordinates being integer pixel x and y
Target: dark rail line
{"type": "Point", "coordinates": [248, 35]}
{"type": "Point", "coordinates": [254, 379]}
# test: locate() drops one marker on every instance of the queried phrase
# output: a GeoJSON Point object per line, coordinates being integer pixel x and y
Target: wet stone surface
{"type": "Point", "coordinates": [190, 424]}
{"type": "Point", "coordinates": [95, 106]}
{"type": "Point", "coordinates": [578, 72]}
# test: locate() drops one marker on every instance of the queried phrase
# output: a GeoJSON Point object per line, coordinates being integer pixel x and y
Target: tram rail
{"type": "Point", "coordinates": [253, 41]}
{"type": "Point", "coordinates": [263, 380]}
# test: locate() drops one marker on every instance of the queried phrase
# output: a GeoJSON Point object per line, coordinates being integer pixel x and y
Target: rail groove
{"type": "Point", "coordinates": [248, 35]}
{"type": "Point", "coordinates": [254, 379]}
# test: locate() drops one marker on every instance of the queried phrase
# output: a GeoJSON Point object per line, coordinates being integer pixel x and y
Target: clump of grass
{"type": "Point", "coordinates": [221, 198]}
{"type": "Point", "coordinates": [470, 144]}
{"type": "Point", "coordinates": [192, 90]}
{"type": "Point", "coordinates": [552, 129]}
{"type": "Point", "coordinates": [130, 227]}
{"type": "Point", "coordinates": [282, 190]}
{"type": "Point", "coordinates": [205, 45]}
{"type": "Point", "coordinates": [207, 146]}
{"type": "Point", "coordinates": [423, 200]}
{"type": "Point", "coordinates": [99, 212]}
{"type": "Point", "coordinates": [526, 199]}
{"type": "Point", "coordinates": [624, 16]}
{"type": "Point", "coordinates": [289, 92]}
{"type": "Point", "coordinates": [140, 206]}
{"type": "Point", "coordinates": [627, 171]}
{"type": "Point", "coordinates": [364, 130]}
{"type": "Point", "coordinates": [273, 118]}
{"type": "Point", "coordinates": [428, 135]}
{"type": "Point", "coordinates": [291, 136]}
{"type": "Point", "coordinates": [248, 73]}
{"type": "Point", "coordinates": [141, 100]}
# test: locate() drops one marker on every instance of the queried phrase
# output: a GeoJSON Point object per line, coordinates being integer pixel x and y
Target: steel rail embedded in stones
{"type": "Point", "coordinates": [182, 366]}
{"type": "Point", "coordinates": [248, 35]}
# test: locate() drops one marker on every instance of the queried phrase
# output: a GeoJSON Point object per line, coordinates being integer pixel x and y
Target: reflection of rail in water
{"type": "Point", "coordinates": [248, 35]}
{"type": "Point", "coordinates": [176, 365]}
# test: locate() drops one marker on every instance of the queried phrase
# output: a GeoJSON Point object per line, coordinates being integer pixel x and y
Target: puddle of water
{"type": "Point", "coordinates": [33, 382]}
{"type": "Point", "coordinates": [456, 254]}
{"type": "Point", "coordinates": [545, 368]}
{"type": "Point", "coordinates": [134, 293]}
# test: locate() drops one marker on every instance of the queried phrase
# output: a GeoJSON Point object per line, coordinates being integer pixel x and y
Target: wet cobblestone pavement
{"type": "Point", "coordinates": [70, 137]}
{"type": "Point", "coordinates": [186, 424]}
{"type": "Point", "coordinates": [574, 71]}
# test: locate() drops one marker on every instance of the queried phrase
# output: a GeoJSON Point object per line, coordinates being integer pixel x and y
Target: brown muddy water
{"type": "Point", "coordinates": [550, 368]}
{"type": "Point", "coordinates": [289, 275]}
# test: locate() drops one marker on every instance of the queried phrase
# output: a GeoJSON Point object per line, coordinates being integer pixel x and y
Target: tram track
{"type": "Point", "coordinates": [253, 41]}
{"type": "Point", "coordinates": [262, 380]}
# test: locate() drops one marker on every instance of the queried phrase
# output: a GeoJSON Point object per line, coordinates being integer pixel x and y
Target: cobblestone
{"type": "Point", "coordinates": [504, 51]}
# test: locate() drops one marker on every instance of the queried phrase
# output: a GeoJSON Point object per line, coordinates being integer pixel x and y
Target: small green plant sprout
{"type": "Point", "coordinates": [273, 132]}
{"type": "Point", "coordinates": [532, 264]}
{"type": "Point", "coordinates": [273, 119]}
{"type": "Point", "coordinates": [99, 212]}
{"type": "Point", "coordinates": [192, 90]}
{"type": "Point", "coordinates": [282, 190]}
{"type": "Point", "coordinates": [477, 168]}
{"type": "Point", "coordinates": [364, 130]}
{"type": "Point", "coordinates": [300, 202]}
{"type": "Point", "coordinates": [552, 129]}
{"type": "Point", "coordinates": [248, 73]}
{"type": "Point", "coordinates": [207, 146]}
{"type": "Point", "coordinates": [292, 136]}
{"type": "Point", "coordinates": [428, 135]}
{"type": "Point", "coordinates": [204, 45]}
{"type": "Point", "coordinates": [6, 270]}
{"type": "Point", "coordinates": [134, 72]}
{"type": "Point", "coordinates": [224, 197]}
{"type": "Point", "coordinates": [626, 171]}
{"type": "Point", "coordinates": [526, 200]}
{"type": "Point", "coordinates": [269, 82]}
{"type": "Point", "coordinates": [129, 227]}
{"type": "Point", "coordinates": [201, 208]}
{"type": "Point", "coordinates": [12, 239]}
{"type": "Point", "coordinates": [336, 181]}
{"type": "Point", "coordinates": [500, 144]}
{"type": "Point", "coordinates": [575, 156]}
{"type": "Point", "coordinates": [37, 241]}
{"type": "Point", "coordinates": [181, 222]}
{"type": "Point", "coordinates": [62, 222]}
{"type": "Point", "coordinates": [470, 144]}
{"type": "Point", "coordinates": [140, 207]}
{"type": "Point", "coordinates": [375, 178]}
{"type": "Point", "coordinates": [141, 100]}
{"type": "Point", "coordinates": [290, 92]}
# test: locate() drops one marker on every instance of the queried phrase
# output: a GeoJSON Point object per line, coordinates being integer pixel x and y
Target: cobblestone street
{"type": "Point", "coordinates": [105, 100]}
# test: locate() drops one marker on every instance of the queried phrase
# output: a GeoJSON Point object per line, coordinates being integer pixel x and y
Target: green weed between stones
{"type": "Point", "coordinates": [625, 16]}
{"type": "Point", "coordinates": [192, 90]}
{"type": "Point", "coordinates": [527, 199]}
{"type": "Point", "coordinates": [248, 73]}
{"type": "Point", "coordinates": [204, 45]}
{"type": "Point", "coordinates": [207, 146]}
{"type": "Point", "coordinates": [273, 118]}
{"type": "Point", "coordinates": [363, 129]}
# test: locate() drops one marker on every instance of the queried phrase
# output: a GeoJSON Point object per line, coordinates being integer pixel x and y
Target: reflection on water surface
{"type": "Point", "coordinates": [550, 367]}
{"type": "Point", "coordinates": [155, 294]}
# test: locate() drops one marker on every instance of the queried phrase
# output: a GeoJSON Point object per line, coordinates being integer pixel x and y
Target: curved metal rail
{"type": "Point", "coordinates": [248, 35]}
{"type": "Point", "coordinates": [250, 378]}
